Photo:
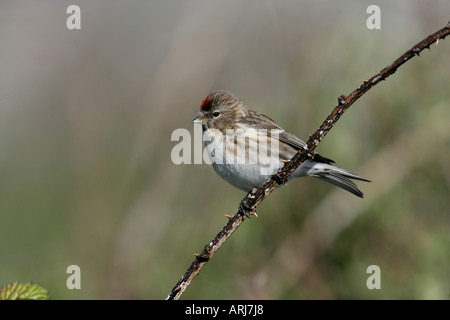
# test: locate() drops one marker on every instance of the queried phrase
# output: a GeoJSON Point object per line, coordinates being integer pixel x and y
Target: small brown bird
{"type": "Point", "coordinates": [247, 147]}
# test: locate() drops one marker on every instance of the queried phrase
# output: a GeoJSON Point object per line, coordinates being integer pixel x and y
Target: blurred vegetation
{"type": "Point", "coordinates": [23, 291]}
{"type": "Point", "coordinates": [86, 176]}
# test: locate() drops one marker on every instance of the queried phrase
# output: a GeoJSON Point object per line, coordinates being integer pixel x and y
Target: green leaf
{"type": "Point", "coordinates": [23, 291]}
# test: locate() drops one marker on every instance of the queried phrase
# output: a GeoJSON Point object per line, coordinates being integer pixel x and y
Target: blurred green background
{"type": "Point", "coordinates": [86, 176]}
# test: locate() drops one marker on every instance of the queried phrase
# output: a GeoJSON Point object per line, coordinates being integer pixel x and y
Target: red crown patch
{"type": "Point", "coordinates": [206, 104]}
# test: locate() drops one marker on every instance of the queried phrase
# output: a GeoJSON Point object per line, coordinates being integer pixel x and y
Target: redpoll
{"type": "Point", "coordinates": [247, 147]}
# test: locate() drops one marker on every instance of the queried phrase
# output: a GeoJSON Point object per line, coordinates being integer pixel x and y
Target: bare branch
{"type": "Point", "coordinates": [253, 199]}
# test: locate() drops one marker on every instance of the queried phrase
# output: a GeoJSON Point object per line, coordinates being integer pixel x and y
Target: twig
{"type": "Point", "coordinates": [254, 198]}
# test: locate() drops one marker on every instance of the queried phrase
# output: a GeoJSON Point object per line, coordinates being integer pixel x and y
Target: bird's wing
{"type": "Point", "coordinates": [283, 135]}
{"type": "Point", "coordinates": [264, 122]}
{"type": "Point", "coordinates": [297, 143]}
{"type": "Point", "coordinates": [292, 140]}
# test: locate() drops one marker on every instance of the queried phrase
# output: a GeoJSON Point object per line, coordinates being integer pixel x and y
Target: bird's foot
{"type": "Point", "coordinates": [246, 210]}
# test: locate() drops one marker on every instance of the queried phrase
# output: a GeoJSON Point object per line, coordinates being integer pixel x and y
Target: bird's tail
{"type": "Point", "coordinates": [337, 176]}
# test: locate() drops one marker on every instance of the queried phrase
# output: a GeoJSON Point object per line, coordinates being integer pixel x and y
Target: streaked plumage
{"type": "Point", "coordinates": [221, 111]}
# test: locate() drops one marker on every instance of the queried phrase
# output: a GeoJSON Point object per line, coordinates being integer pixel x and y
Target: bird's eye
{"type": "Point", "coordinates": [216, 114]}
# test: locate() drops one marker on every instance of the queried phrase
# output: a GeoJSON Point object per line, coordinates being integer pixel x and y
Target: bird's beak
{"type": "Point", "coordinates": [200, 118]}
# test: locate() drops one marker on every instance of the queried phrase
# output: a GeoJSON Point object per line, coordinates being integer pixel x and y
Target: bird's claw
{"type": "Point", "coordinates": [246, 211]}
